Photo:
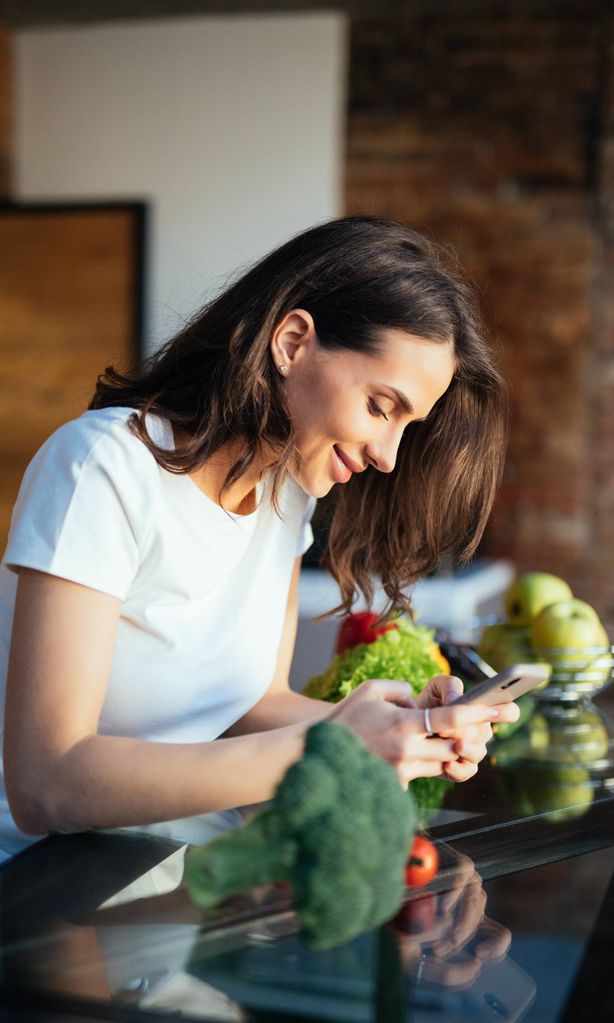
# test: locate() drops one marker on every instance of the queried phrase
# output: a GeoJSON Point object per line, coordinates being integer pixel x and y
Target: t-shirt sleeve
{"type": "Point", "coordinates": [305, 537]}
{"type": "Point", "coordinates": [81, 509]}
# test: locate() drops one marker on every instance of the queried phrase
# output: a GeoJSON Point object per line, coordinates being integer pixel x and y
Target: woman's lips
{"type": "Point", "coordinates": [341, 472]}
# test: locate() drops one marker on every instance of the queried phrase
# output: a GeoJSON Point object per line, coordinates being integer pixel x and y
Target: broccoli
{"type": "Point", "coordinates": [338, 830]}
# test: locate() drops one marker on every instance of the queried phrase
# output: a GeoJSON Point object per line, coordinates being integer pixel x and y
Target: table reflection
{"type": "Point", "coordinates": [434, 927]}
{"type": "Point", "coordinates": [104, 918]}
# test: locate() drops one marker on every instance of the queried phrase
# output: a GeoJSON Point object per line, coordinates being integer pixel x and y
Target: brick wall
{"type": "Point", "coordinates": [490, 129]}
{"type": "Point", "coordinates": [599, 575]}
{"type": "Point", "coordinates": [5, 114]}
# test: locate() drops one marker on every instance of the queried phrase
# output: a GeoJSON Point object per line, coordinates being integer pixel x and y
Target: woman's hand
{"type": "Point", "coordinates": [384, 714]}
{"type": "Point", "coordinates": [470, 745]}
{"type": "Point", "coordinates": [444, 937]}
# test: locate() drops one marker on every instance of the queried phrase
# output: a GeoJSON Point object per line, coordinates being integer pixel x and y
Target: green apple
{"type": "Point", "coordinates": [599, 671]}
{"type": "Point", "coordinates": [566, 803]}
{"type": "Point", "coordinates": [580, 731]}
{"type": "Point", "coordinates": [562, 794]}
{"type": "Point", "coordinates": [502, 645]}
{"type": "Point", "coordinates": [570, 636]}
{"type": "Point", "coordinates": [531, 592]}
{"type": "Point", "coordinates": [539, 731]}
{"type": "Point", "coordinates": [562, 791]}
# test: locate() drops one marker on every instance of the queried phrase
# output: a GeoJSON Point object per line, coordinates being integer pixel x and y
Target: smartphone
{"type": "Point", "coordinates": [506, 685]}
{"type": "Point", "coordinates": [501, 992]}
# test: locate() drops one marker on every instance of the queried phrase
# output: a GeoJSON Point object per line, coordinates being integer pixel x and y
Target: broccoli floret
{"type": "Point", "coordinates": [339, 830]}
{"type": "Point", "coordinates": [310, 788]}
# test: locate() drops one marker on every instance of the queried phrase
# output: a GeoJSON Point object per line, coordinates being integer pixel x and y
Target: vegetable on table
{"type": "Point", "coordinates": [417, 915]}
{"type": "Point", "coordinates": [338, 831]}
{"type": "Point", "coordinates": [360, 627]}
{"type": "Point", "coordinates": [423, 862]}
{"type": "Point", "coordinates": [405, 651]}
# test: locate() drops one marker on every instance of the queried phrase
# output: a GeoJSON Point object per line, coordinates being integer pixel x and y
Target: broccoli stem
{"type": "Point", "coordinates": [258, 852]}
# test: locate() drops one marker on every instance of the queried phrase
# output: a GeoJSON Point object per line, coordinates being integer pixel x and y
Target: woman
{"type": "Point", "coordinates": [150, 579]}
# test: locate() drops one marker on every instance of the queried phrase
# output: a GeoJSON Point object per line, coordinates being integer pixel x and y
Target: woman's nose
{"type": "Point", "coordinates": [382, 454]}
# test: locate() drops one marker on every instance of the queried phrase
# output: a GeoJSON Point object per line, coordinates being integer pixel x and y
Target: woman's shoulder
{"type": "Point", "coordinates": [84, 507]}
{"type": "Point", "coordinates": [102, 434]}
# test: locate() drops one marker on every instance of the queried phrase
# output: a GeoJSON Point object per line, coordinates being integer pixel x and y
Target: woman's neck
{"type": "Point", "coordinates": [240, 497]}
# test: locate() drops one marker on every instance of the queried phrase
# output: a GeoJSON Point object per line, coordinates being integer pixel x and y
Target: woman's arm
{"type": "Point", "coordinates": [280, 706]}
{"type": "Point", "coordinates": [60, 774]}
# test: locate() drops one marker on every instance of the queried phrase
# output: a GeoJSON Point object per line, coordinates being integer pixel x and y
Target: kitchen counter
{"type": "Point", "coordinates": [518, 924]}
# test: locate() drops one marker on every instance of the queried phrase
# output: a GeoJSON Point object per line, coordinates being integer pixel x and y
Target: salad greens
{"type": "Point", "coordinates": [408, 652]}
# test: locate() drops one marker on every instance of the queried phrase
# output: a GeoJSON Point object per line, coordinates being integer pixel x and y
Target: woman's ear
{"type": "Point", "coordinates": [292, 339]}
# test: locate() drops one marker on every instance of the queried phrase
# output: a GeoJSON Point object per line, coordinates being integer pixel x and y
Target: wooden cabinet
{"type": "Point", "coordinates": [71, 302]}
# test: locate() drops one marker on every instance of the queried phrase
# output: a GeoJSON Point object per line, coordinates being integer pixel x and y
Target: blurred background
{"type": "Point", "coordinates": [150, 148]}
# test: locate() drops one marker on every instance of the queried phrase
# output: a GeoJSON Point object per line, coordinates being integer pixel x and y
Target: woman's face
{"type": "Point", "coordinates": [349, 409]}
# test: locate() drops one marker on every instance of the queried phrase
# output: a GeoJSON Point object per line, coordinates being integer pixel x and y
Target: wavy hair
{"type": "Point", "coordinates": [356, 276]}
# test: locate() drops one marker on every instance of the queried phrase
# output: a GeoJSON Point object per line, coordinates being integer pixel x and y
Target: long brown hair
{"type": "Point", "coordinates": [357, 276]}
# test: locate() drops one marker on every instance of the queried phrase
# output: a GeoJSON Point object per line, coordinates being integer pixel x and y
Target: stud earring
{"type": "Point", "coordinates": [283, 368]}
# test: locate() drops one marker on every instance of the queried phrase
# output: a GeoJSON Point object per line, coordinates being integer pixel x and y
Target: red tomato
{"type": "Point", "coordinates": [417, 916]}
{"type": "Point", "coordinates": [358, 628]}
{"type": "Point", "coordinates": [423, 862]}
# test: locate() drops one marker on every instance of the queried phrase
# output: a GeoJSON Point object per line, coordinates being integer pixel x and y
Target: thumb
{"type": "Point", "coordinates": [392, 690]}
{"type": "Point", "coordinates": [451, 689]}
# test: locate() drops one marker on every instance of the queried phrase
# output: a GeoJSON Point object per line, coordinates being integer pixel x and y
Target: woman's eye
{"type": "Point", "coordinates": [375, 409]}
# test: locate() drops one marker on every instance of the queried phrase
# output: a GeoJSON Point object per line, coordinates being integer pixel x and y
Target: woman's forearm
{"type": "Point", "coordinates": [107, 781]}
{"type": "Point", "coordinates": [279, 709]}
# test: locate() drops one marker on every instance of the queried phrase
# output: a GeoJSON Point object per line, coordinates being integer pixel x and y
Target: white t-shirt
{"type": "Point", "coordinates": [203, 591]}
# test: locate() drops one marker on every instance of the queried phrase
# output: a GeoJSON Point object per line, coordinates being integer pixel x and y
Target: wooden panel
{"type": "Point", "coordinates": [69, 284]}
{"type": "Point", "coordinates": [6, 114]}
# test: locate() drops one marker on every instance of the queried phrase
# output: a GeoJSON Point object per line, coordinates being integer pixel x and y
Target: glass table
{"type": "Point", "coordinates": [518, 924]}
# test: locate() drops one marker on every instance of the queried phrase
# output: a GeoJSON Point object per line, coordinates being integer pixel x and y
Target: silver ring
{"type": "Point", "coordinates": [427, 724]}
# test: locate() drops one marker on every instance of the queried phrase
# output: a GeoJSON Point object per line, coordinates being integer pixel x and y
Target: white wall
{"type": "Point", "coordinates": [231, 126]}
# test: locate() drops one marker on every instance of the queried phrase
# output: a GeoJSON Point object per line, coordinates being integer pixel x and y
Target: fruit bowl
{"type": "Point", "coordinates": [559, 763]}
{"type": "Point", "coordinates": [577, 673]}
{"type": "Point", "coordinates": [545, 623]}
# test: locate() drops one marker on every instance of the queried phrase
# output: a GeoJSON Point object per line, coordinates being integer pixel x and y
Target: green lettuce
{"type": "Point", "coordinates": [404, 653]}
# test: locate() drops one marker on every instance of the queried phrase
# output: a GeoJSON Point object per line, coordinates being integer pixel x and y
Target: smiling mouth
{"type": "Point", "coordinates": [352, 466]}
{"type": "Point", "coordinates": [341, 470]}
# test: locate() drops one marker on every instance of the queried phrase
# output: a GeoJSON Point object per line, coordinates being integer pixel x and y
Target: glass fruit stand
{"type": "Point", "coordinates": [517, 924]}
